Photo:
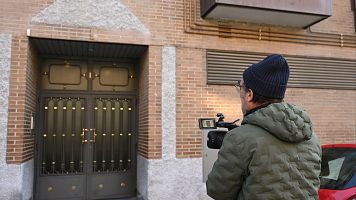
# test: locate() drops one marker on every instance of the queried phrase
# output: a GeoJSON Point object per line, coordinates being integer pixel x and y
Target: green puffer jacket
{"type": "Point", "coordinates": [273, 155]}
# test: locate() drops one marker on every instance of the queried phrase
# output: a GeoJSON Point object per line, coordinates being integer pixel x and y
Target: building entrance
{"type": "Point", "coordinates": [87, 130]}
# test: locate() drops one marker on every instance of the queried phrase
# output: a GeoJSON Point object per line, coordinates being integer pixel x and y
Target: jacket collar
{"type": "Point", "coordinates": [255, 109]}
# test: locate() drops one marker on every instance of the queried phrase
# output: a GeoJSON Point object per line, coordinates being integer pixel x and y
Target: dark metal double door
{"type": "Point", "coordinates": [87, 147]}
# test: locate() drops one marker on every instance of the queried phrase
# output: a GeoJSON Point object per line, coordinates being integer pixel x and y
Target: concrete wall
{"type": "Point", "coordinates": [107, 14]}
{"type": "Point", "coordinates": [178, 179]}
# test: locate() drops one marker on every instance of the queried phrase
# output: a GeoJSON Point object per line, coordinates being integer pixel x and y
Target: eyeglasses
{"type": "Point", "coordinates": [238, 85]}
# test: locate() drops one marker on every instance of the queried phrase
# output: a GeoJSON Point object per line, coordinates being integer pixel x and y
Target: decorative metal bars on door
{"type": "Point", "coordinates": [113, 140]}
{"type": "Point", "coordinates": [62, 150]}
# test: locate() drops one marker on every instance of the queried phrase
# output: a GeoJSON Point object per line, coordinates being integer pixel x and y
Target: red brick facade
{"type": "Point", "coordinates": [333, 111]}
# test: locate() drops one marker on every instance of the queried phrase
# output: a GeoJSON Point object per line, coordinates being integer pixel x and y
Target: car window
{"type": "Point", "coordinates": [334, 168]}
{"type": "Point", "coordinates": [338, 168]}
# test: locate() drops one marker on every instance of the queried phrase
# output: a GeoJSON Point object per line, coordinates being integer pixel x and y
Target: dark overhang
{"type": "Point", "coordinates": [301, 13]}
{"type": "Point", "coordinates": [56, 47]}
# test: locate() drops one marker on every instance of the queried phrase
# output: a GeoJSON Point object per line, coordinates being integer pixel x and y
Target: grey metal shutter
{"type": "Point", "coordinates": [226, 67]}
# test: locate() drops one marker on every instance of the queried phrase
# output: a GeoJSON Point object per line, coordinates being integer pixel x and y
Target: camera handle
{"type": "Point", "coordinates": [228, 125]}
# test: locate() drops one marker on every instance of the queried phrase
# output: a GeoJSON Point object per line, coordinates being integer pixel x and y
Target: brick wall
{"type": "Point", "coordinates": [17, 100]}
{"type": "Point", "coordinates": [195, 98]}
{"type": "Point", "coordinates": [341, 21]}
{"type": "Point", "coordinates": [154, 101]}
{"type": "Point", "coordinates": [149, 139]}
{"type": "Point", "coordinates": [143, 106]}
{"type": "Point", "coordinates": [333, 112]}
{"type": "Point", "coordinates": [31, 93]}
{"type": "Point", "coordinates": [22, 100]}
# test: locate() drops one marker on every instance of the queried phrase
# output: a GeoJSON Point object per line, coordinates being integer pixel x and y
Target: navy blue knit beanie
{"type": "Point", "coordinates": [269, 77]}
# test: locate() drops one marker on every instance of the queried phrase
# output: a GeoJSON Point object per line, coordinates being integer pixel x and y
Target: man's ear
{"type": "Point", "coordinates": [249, 95]}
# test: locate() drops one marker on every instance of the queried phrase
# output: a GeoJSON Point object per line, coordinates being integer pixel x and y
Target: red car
{"type": "Point", "coordinates": [338, 172]}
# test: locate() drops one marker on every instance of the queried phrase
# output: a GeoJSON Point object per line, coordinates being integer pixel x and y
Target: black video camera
{"type": "Point", "coordinates": [215, 138]}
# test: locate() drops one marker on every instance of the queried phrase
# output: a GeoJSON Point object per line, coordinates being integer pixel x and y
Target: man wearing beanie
{"type": "Point", "coordinates": [274, 154]}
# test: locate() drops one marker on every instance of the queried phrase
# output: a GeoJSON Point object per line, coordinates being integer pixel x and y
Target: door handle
{"type": "Point", "coordinates": [87, 130]}
{"type": "Point", "coordinates": [94, 135]}
{"type": "Point", "coordinates": [83, 136]}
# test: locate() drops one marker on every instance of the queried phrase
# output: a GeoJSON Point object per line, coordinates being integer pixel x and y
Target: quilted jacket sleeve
{"type": "Point", "coordinates": [230, 169]}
